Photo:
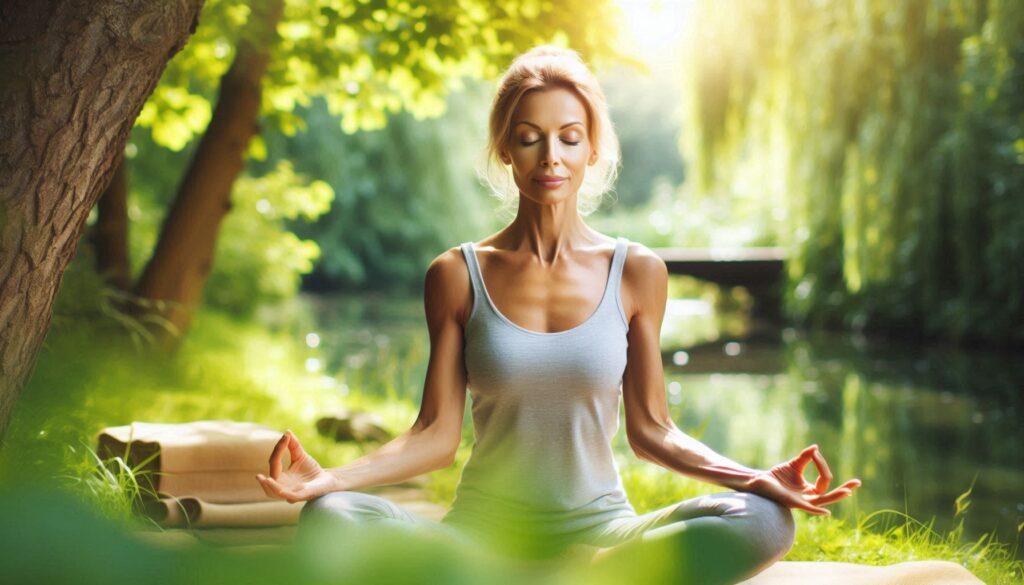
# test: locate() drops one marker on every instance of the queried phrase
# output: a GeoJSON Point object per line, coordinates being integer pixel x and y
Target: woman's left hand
{"type": "Point", "coordinates": [785, 483]}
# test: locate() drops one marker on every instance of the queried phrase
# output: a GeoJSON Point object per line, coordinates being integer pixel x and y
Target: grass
{"type": "Point", "coordinates": [90, 377]}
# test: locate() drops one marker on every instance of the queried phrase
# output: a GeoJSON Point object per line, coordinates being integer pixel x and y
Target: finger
{"type": "Point", "coordinates": [277, 490]}
{"type": "Point", "coordinates": [837, 494]}
{"type": "Point", "coordinates": [275, 456]}
{"type": "Point", "coordinates": [803, 503]}
{"type": "Point", "coordinates": [831, 497]}
{"type": "Point", "coordinates": [260, 479]}
{"type": "Point", "coordinates": [295, 450]}
{"type": "Point", "coordinates": [824, 473]}
{"type": "Point", "coordinates": [810, 508]}
{"type": "Point", "coordinates": [805, 457]}
{"type": "Point", "coordinates": [265, 485]}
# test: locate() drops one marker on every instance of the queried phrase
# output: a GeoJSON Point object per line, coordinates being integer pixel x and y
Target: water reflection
{"type": "Point", "coordinates": [916, 446]}
{"type": "Point", "coordinates": [918, 425]}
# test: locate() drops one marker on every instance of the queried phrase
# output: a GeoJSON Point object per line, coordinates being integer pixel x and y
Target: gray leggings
{"type": "Point", "coordinates": [718, 538]}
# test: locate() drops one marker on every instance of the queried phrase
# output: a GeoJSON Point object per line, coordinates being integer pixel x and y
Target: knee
{"type": "Point", "coordinates": [773, 525]}
{"type": "Point", "coordinates": [335, 507]}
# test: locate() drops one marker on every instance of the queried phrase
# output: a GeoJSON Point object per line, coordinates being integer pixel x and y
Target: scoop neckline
{"type": "Point", "coordinates": [600, 304]}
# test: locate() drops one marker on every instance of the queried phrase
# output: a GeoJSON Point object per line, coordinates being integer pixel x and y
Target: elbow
{"type": "Point", "coordinates": [451, 450]}
{"type": "Point", "coordinates": [449, 458]}
{"type": "Point", "coordinates": [441, 443]}
{"type": "Point", "coordinates": [640, 453]}
{"type": "Point", "coordinates": [638, 444]}
{"type": "Point", "coordinates": [445, 451]}
{"type": "Point", "coordinates": [647, 442]}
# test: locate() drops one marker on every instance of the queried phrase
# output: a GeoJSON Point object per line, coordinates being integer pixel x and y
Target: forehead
{"type": "Point", "coordinates": [550, 108]}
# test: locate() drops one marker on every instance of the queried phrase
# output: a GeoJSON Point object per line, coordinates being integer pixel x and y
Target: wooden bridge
{"type": "Point", "coordinates": [759, 270]}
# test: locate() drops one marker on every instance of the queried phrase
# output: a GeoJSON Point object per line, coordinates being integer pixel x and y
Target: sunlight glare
{"type": "Point", "coordinates": [654, 26]}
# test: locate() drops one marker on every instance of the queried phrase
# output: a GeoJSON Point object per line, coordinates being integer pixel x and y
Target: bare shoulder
{"type": "Point", "coordinates": [644, 280]}
{"type": "Point", "coordinates": [446, 289]}
{"type": "Point", "coordinates": [643, 265]}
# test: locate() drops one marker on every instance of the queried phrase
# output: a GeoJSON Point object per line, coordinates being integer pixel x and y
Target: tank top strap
{"type": "Point", "coordinates": [618, 261]}
{"type": "Point", "coordinates": [475, 278]}
{"type": "Point", "coordinates": [615, 277]}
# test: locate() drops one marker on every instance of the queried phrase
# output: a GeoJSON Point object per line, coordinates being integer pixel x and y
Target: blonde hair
{"type": "Point", "coordinates": [546, 67]}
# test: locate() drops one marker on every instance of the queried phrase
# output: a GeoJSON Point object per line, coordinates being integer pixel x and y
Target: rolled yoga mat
{"type": "Point", "coordinates": [910, 573]}
{"type": "Point", "coordinates": [226, 487]}
{"type": "Point", "coordinates": [195, 513]}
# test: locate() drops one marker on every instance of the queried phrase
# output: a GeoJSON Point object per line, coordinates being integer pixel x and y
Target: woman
{"type": "Point", "coordinates": [544, 321]}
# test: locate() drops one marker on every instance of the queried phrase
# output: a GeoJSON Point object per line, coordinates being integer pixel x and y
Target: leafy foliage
{"type": "Point", "coordinates": [403, 194]}
{"type": "Point", "coordinates": [258, 259]}
{"type": "Point", "coordinates": [368, 58]}
{"type": "Point", "coordinates": [890, 135]}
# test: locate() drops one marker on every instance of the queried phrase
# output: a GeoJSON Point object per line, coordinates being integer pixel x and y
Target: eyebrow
{"type": "Point", "coordinates": [538, 127]}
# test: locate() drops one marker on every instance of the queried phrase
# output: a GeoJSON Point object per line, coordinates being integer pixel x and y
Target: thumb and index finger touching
{"type": "Point", "coordinates": [813, 453]}
{"type": "Point", "coordinates": [290, 442]}
{"type": "Point", "coordinates": [270, 485]}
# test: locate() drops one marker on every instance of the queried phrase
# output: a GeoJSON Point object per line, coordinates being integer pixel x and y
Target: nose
{"type": "Point", "coordinates": [551, 156]}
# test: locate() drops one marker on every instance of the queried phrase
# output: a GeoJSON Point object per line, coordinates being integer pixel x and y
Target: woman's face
{"type": "Point", "coordinates": [549, 148]}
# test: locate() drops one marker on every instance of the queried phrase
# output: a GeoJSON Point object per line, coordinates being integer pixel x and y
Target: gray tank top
{"type": "Point", "coordinates": [545, 407]}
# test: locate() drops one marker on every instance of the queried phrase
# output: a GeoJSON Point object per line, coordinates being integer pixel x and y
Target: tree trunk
{"type": "Point", "coordinates": [110, 234]}
{"type": "Point", "coordinates": [74, 77]}
{"type": "Point", "coordinates": [171, 285]}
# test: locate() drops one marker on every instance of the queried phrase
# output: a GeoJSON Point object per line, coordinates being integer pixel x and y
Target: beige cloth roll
{"type": "Point", "coordinates": [196, 513]}
{"type": "Point", "coordinates": [206, 445]}
{"type": "Point", "coordinates": [910, 573]}
{"type": "Point", "coordinates": [226, 487]}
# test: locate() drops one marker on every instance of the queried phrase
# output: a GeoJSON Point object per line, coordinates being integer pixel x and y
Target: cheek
{"type": "Point", "coordinates": [583, 156]}
{"type": "Point", "coordinates": [523, 159]}
{"type": "Point", "coordinates": [578, 161]}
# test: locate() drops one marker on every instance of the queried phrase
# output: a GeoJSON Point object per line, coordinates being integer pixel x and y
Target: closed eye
{"type": "Point", "coordinates": [569, 142]}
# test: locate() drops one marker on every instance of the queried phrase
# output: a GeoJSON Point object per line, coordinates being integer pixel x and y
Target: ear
{"type": "Point", "coordinates": [505, 156]}
{"type": "Point", "coordinates": [593, 158]}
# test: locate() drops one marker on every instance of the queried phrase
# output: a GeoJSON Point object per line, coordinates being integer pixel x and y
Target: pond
{"type": "Point", "coordinates": [920, 425]}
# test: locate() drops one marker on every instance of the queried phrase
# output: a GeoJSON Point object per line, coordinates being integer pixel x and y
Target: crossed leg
{"type": "Point", "coordinates": [719, 538]}
{"type": "Point", "coordinates": [352, 509]}
{"type": "Point", "coordinates": [715, 539]}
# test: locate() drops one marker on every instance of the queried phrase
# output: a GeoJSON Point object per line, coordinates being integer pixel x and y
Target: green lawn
{"type": "Point", "coordinates": [87, 379]}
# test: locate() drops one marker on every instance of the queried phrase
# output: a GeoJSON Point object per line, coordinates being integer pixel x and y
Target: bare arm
{"type": "Point", "coordinates": [432, 441]}
{"type": "Point", "coordinates": [653, 435]}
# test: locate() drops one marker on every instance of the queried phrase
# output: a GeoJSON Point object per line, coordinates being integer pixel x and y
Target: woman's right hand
{"type": "Point", "coordinates": [303, 480]}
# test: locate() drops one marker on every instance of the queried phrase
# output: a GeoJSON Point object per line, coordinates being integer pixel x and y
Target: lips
{"type": "Point", "coordinates": [551, 182]}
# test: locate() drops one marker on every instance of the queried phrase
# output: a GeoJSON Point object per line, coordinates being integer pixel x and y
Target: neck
{"type": "Point", "coordinates": [547, 231]}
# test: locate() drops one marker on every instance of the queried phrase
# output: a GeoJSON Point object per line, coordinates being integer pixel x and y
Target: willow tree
{"type": "Point", "coordinates": [75, 76]}
{"type": "Point", "coordinates": [366, 59]}
{"type": "Point", "coordinates": [892, 134]}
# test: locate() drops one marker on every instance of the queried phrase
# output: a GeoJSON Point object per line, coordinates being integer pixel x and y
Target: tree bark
{"type": "Point", "coordinates": [171, 285]}
{"type": "Point", "coordinates": [75, 74]}
{"type": "Point", "coordinates": [110, 234]}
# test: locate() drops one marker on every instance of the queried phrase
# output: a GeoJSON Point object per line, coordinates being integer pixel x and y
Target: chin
{"type": "Point", "coordinates": [545, 197]}
{"type": "Point", "coordinates": [548, 201]}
